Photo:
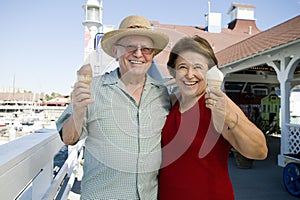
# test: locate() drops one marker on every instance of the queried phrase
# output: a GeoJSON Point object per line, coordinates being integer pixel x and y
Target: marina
{"type": "Point", "coordinates": [20, 118]}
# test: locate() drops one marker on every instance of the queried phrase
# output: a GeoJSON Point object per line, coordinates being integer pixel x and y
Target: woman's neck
{"type": "Point", "coordinates": [187, 102]}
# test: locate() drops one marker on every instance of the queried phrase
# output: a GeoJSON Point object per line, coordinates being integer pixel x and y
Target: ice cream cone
{"type": "Point", "coordinates": [214, 77]}
{"type": "Point", "coordinates": [85, 74]}
{"type": "Point", "coordinates": [214, 83]}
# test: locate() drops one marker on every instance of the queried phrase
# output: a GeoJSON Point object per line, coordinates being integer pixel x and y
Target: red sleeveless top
{"type": "Point", "coordinates": [194, 157]}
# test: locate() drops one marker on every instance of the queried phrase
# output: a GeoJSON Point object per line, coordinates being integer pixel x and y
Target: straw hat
{"type": "Point", "coordinates": [134, 25]}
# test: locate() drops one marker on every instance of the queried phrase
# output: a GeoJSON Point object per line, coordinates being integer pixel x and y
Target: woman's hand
{"type": "Point", "coordinates": [216, 100]}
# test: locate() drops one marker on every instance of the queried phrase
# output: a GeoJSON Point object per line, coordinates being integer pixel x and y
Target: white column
{"type": "Point", "coordinates": [285, 87]}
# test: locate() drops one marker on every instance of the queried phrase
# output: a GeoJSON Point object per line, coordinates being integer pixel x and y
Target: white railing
{"type": "Point", "coordinates": [26, 167]}
{"type": "Point", "coordinates": [290, 143]}
{"type": "Point", "coordinates": [293, 138]}
{"type": "Point", "coordinates": [67, 172]}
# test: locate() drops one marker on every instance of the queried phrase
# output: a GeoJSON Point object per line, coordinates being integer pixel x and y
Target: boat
{"type": "Point", "coordinates": [19, 118]}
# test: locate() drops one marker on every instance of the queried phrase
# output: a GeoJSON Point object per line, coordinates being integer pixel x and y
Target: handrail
{"type": "Point", "coordinates": [28, 161]}
{"type": "Point", "coordinates": [293, 125]}
{"type": "Point", "coordinates": [71, 180]}
{"type": "Point", "coordinates": [68, 169]}
{"type": "Point", "coordinates": [26, 167]}
{"type": "Point", "coordinates": [52, 190]}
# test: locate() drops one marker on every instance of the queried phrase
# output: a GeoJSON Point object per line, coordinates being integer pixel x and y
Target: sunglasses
{"type": "Point", "coordinates": [131, 49]}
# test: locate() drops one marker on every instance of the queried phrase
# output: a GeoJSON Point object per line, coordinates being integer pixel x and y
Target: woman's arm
{"type": "Point", "coordinates": [242, 134]}
{"type": "Point", "coordinates": [236, 128]}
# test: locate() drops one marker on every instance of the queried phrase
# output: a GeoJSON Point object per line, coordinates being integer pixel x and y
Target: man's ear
{"type": "Point", "coordinates": [114, 51]}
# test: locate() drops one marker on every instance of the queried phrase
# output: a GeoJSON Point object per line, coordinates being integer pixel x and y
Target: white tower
{"type": "Point", "coordinates": [92, 24]}
{"type": "Point", "coordinates": [213, 21]}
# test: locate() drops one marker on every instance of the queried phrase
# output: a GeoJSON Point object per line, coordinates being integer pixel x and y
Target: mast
{"type": "Point", "coordinates": [13, 97]}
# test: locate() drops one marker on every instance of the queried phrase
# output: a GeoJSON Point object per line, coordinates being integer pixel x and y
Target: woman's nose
{"type": "Point", "coordinates": [190, 72]}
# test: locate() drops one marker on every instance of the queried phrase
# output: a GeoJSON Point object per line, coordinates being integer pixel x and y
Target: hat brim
{"type": "Point", "coordinates": [160, 40]}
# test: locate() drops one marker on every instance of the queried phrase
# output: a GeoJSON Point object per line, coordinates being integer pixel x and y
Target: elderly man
{"type": "Point", "coordinates": [121, 115]}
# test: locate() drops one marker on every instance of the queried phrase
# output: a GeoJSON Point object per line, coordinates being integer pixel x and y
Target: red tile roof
{"type": "Point", "coordinates": [244, 26]}
{"type": "Point", "coordinates": [281, 34]}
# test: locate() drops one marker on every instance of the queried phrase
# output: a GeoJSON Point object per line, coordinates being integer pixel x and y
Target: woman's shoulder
{"type": "Point", "coordinates": [174, 98]}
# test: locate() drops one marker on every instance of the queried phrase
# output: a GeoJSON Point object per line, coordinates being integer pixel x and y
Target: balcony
{"type": "Point", "coordinates": [27, 167]}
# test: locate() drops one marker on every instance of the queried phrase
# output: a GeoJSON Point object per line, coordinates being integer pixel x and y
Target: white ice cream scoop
{"type": "Point", "coordinates": [214, 77]}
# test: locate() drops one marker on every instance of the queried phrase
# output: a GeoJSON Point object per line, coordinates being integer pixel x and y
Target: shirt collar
{"type": "Point", "coordinates": [114, 79]}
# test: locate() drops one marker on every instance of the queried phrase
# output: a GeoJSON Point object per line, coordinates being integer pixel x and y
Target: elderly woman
{"type": "Point", "coordinates": [200, 129]}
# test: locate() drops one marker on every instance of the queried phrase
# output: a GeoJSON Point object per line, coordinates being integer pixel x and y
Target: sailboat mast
{"type": "Point", "coordinates": [13, 87]}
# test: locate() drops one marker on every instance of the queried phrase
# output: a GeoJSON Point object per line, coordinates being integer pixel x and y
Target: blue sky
{"type": "Point", "coordinates": [42, 41]}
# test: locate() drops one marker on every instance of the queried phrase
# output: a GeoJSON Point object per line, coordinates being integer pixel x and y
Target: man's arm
{"type": "Point", "coordinates": [72, 128]}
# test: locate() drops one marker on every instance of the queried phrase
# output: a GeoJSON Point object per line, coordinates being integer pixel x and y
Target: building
{"type": "Point", "coordinates": [20, 95]}
{"type": "Point", "coordinates": [252, 61]}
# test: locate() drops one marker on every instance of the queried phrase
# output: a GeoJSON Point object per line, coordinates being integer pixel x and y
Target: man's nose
{"type": "Point", "coordinates": [138, 52]}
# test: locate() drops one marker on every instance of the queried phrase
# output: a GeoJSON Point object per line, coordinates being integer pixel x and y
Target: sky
{"type": "Point", "coordinates": [42, 41]}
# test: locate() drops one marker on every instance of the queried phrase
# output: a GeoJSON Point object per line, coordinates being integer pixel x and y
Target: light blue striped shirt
{"type": "Point", "coordinates": [123, 151]}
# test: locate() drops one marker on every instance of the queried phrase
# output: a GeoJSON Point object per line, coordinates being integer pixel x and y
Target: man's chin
{"type": "Point", "coordinates": [138, 71]}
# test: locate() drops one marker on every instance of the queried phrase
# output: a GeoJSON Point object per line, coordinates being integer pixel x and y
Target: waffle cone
{"type": "Point", "coordinates": [214, 83]}
{"type": "Point", "coordinates": [85, 74]}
